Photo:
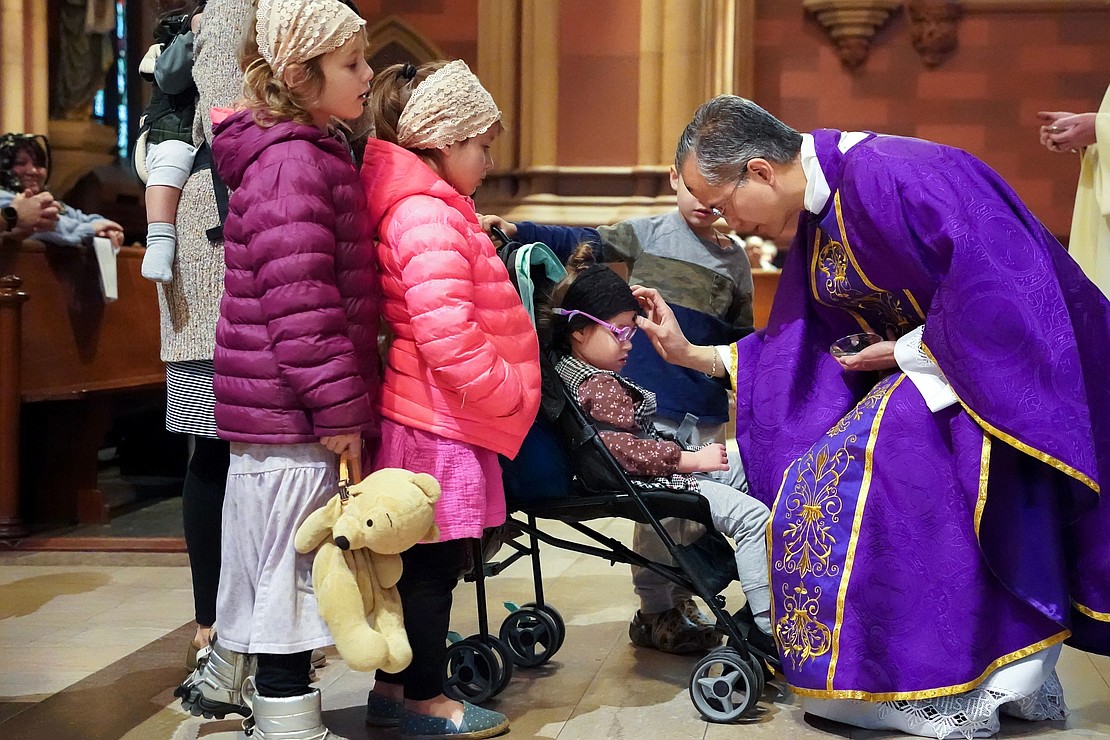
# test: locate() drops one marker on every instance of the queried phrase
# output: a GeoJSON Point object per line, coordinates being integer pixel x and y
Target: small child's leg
{"type": "Point", "coordinates": [744, 519]}
{"type": "Point", "coordinates": [168, 164]}
{"type": "Point", "coordinates": [161, 246]}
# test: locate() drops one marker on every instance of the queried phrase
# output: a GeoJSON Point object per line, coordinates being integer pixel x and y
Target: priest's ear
{"type": "Point", "coordinates": [760, 170]}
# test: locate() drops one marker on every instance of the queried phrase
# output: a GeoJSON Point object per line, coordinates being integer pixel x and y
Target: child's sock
{"type": "Point", "coordinates": [161, 244]}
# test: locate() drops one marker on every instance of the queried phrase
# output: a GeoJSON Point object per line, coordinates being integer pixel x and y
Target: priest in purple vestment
{"type": "Point", "coordinates": [937, 530]}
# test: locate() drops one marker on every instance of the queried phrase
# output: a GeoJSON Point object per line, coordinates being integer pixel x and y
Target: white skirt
{"type": "Point", "coordinates": [265, 602]}
{"type": "Point", "coordinates": [1027, 689]}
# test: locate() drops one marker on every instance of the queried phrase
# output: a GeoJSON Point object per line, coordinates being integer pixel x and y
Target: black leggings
{"type": "Point", "coordinates": [430, 574]}
{"type": "Point", "coordinates": [202, 504]}
{"type": "Point", "coordinates": [283, 675]}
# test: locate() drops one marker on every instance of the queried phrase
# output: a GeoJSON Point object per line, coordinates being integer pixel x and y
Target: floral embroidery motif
{"type": "Point", "coordinates": [811, 508]}
{"type": "Point", "coordinates": [873, 398]}
{"type": "Point", "coordinates": [884, 311]}
{"type": "Point", "coordinates": [800, 634]}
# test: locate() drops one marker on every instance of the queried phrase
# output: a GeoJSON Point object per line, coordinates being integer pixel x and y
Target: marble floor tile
{"type": "Point", "coordinates": [93, 646]}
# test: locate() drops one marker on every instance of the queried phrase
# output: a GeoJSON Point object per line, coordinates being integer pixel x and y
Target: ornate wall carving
{"type": "Point", "coordinates": [852, 24]}
{"type": "Point", "coordinates": [933, 29]}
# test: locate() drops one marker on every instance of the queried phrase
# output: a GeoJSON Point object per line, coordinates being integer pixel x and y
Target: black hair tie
{"type": "Point", "coordinates": [408, 72]}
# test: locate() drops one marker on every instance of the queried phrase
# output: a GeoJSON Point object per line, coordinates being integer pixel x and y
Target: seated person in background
{"type": "Point", "coordinates": [704, 274]}
{"type": "Point", "coordinates": [24, 168]}
{"type": "Point", "coordinates": [26, 214]}
{"type": "Point", "coordinates": [591, 326]}
{"type": "Point", "coordinates": [761, 252]}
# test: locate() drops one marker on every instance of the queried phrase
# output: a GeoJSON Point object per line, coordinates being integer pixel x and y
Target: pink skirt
{"type": "Point", "coordinates": [473, 495]}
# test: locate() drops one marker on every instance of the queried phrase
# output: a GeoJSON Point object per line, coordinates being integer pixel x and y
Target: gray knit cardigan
{"type": "Point", "coordinates": [190, 305]}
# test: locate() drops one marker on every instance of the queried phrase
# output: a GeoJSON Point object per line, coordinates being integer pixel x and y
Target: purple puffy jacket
{"type": "Point", "coordinates": [296, 343]}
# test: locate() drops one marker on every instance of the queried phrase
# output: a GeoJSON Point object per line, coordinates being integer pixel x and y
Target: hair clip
{"type": "Point", "coordinates": [408, 71]}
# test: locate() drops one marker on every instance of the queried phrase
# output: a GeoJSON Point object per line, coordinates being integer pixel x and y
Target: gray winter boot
{"type": "Point", "coordinates": [214, 689]}
{"type": "Point", "coordinates": [286, 718]}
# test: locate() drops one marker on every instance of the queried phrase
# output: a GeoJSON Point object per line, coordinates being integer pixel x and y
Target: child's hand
{"type": "Point", "coordinates": [344, 444]}
{"type": "Point", "coordinates": [708, 459]}
{"type": "Point", "coordinates": [488, 222]}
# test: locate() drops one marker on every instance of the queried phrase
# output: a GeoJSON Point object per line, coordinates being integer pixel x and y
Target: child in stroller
{"type": "Point", "coordinates": [591, 323]}
{"type": "Point", "coordinates": [565, 472]}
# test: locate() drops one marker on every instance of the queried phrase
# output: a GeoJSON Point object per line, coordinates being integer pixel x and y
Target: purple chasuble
{"type": "Point", "coordinates": [912, 552]}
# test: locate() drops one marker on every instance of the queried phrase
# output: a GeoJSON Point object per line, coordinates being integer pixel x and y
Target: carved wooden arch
{"type": "Point", "coordinates": [392, 41]}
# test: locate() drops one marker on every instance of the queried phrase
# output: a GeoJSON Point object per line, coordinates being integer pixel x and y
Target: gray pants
{"type": "Point", "coordinates": [734, 514]}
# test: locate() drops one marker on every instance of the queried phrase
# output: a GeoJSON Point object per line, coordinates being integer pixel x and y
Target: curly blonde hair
{"type": "Point", "coordinates": [272, 99]}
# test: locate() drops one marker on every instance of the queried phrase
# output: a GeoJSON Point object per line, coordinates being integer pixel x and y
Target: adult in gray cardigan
{"type": "Point", "coordinates": [190, 305]}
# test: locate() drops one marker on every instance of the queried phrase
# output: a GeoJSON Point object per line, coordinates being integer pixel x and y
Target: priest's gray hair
{"type": "Point", "coordinates": [727, 132]}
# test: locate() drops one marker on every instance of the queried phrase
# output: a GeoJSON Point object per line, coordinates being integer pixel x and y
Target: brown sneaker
{"type": "Point", "coordinates": [690, 609]}
{"type": "Point", "coordinates": [670, 632]}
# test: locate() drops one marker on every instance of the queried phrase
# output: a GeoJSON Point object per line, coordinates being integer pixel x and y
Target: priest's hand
{"type": "Point", "coordinates": [661, 325]}
{"type": "Point", "coordinates": [878, 356]}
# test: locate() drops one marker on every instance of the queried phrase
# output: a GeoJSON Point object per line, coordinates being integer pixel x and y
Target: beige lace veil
{"type": "Point", "coordinates": [449, 105]}
{"type": "Point", "coordinates": [294, 31]}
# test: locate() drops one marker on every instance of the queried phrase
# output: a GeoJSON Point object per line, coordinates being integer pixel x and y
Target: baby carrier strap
{"type": "Point", "coordinates": [203, 161]}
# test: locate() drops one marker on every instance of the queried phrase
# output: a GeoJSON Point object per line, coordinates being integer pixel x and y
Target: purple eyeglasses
{"type": "Point", "coordinates": [622, 333]}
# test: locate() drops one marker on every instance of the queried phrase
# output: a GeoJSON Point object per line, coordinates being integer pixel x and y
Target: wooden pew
{"type": "Point", "coordinates": [766, 282]}
{"type": "Point", "coordinates": [68, 363]}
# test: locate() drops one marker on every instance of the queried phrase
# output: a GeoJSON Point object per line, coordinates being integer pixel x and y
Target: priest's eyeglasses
{"type": "Point", "coordinates": [719, 210]}
{"type": "Point", "coordinates": [622, 333]}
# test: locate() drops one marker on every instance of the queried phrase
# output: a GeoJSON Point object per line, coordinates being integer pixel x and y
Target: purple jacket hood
{"type": "Point", "coordinates": [239, 141]}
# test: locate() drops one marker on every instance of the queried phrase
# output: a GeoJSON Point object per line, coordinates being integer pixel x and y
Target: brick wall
{"type": "Point", "coordinates": [983, 99]}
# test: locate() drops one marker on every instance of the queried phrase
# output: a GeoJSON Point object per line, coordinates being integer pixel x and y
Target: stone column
{"type": "Point", "coordinates": [24, 73]}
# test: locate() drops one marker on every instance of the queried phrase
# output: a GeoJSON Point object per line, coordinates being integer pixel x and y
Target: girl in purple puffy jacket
{"type": "Point", "coordinates": [296, 369]}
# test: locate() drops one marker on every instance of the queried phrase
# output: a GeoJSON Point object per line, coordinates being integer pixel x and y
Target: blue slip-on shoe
{"type": "Point", "coordinates": [476, 723]}
{"type": "Point", "coordinates": [382, 712]}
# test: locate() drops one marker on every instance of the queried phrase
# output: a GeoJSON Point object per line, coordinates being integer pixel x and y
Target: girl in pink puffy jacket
{"type": "Point", "coordinates": [296, 371]}
{"type": "Point", "coordinates": [462, 379]}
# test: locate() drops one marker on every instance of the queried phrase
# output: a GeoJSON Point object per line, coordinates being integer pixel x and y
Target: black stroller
{"type": "Point", "coordinates": [572, 477]}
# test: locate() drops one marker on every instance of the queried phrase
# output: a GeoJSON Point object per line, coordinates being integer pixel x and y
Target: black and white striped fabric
{"type": "Point", "coordinates": [190, 400]}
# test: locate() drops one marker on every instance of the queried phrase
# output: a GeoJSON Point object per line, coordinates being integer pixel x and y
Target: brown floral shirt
{"type": "Point", "coordinates": [613, 406]}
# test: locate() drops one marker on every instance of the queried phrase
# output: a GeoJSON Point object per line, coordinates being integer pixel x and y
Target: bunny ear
{"type": "Point", "coordinates": [317, 527]}
{"type": "Point", "coordinates": [429, 485]}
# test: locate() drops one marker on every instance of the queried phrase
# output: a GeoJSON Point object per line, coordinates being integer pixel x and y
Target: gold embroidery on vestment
{"type": "Point", "coordinates": [1016, 443]}
{"type": "Point", "coordinates": [857, 520]}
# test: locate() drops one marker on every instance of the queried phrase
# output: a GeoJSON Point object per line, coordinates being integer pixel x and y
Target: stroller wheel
{"type": "Point", "coordinates": [724, 686]}
{"type": "Point", "coordinates": [531, 636]}
{"type": "Point", "coordinates": [472, 672]}
{"type": "Point", "coordinates": [504, 659]}
{"type": "Point", "coordinates": [560, 624]}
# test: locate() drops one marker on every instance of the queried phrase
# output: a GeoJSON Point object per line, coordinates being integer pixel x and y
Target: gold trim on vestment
{"type": "Point", "coordinates": [984, 474]}
{"type": "Point", "coordinates": [770, 538]}
{"type": "Point", "coordinates": [857, 523]}
{"type": "Point", "coordinates": [863, 323]}
{"type": "Point", "coordinates": [837, 257]}
{"type": "Point", "coordinates": [733, 364]}
{"type": "Point", "coordinates": [942, 691]}
{"type": "Point", "coordinates": [1017, 444]}
{"type": "Point", "coordinates": [914, 303]}
{"type": "Point", "coordinates": [1096, 615]}
{"type": "Point", "coordinates": [848, 248]}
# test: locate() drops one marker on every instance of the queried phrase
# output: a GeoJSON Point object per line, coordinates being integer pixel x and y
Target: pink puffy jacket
{"type": "Point", "coordinates": [464, 363]}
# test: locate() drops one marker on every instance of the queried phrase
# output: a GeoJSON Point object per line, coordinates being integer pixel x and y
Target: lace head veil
{"type": "Point", "coordinates": [294, 31]}
{"type": "Point", "coordinates": [449, 105]}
